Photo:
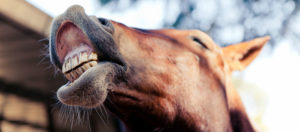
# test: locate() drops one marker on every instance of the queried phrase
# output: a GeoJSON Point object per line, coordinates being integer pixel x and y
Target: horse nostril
{"type": "Point", "coordinates": [106, 24]}
{"type": "Point", "coordinates": [103, 21]}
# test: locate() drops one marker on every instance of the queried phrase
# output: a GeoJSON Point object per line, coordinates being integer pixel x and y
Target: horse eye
{"type": "Point", "coordinates": [199, 42]}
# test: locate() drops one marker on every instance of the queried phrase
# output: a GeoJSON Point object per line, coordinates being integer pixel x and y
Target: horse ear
{"type": "Point", "coordinates": [240, 55]}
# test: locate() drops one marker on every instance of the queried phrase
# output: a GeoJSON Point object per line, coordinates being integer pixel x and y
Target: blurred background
{"type": "Point", "coordinates": [269, 86]}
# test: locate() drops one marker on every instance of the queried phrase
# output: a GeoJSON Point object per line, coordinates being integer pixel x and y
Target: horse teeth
{"type": "Point", "coordinates": [68, 76]}
{"type": "Point", "coordinates": [71, 76]}
{"type": "Point", "coordinates": [79, 71]}
{"type": "Point", "coordinates": [84, 57]}
{"type": "Point", "coordinates": [68, 65]}
{"type": "Point", "coordinates": [93, 56]}
{"type": "Point", "coordinates": [86, 66]}
{"type": "Point", "coordinates": [71, 65]}
{"type": "Point", "coordinates": [80, 58]}
{"type": "Point", "coordinates": [75, 61]}
{"type": "Point", "coordinates": [76, 74]}
{"type": "Point", "coordinates": [93, 63]}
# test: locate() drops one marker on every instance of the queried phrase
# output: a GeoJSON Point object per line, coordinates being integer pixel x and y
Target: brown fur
{"type": "Point", "coordinates": [159, 80]}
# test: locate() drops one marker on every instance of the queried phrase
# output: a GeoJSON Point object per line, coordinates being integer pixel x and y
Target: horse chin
{"type": "Point", "coordinates": [90, 89]}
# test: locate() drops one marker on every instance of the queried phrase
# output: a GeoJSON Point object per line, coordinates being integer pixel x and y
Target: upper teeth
{"type": "Point", "coordinates": [71, 63]}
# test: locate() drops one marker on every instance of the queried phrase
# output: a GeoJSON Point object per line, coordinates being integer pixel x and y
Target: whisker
{"type": "Point", "coordinates": [73, 115]}
{"type": "Point", "coordinates": [43, 40]}
{"type": "Point", "coordinates": [105, 113]}
{"type": "Point", "coordinates": [104, 122]}
{"type": "Point", "coordinates": [100, 111]}
{"type": "Point", "coordinates": [89, 125]}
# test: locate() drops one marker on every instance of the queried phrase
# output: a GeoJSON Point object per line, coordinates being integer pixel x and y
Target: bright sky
{"type": "Point", "coordinates": [152, 9]}
{"type": "Point", "coordinates": [276, 74]}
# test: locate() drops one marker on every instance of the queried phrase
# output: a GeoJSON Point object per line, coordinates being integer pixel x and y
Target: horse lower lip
{"type": "Point", "coordinates": [72, 93]}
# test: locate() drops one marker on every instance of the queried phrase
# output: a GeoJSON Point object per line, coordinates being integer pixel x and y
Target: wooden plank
{"type": "Point", "coordinates": [7, 32]}
{"type": "Point", "coordinates": [17, 45]}
{"type": "Point", "coordinates": [24, 56]}
{"type": "Point", "coordinates": [34, 51]}
{"type": "Point", "coordinates": [26, 15]}
{"type": "Point", "coordinates": [35, 80]}
{"type": "Point", "coordinates": [22, 109]}
{"type": "Point", "coordinates": [20, 51]}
